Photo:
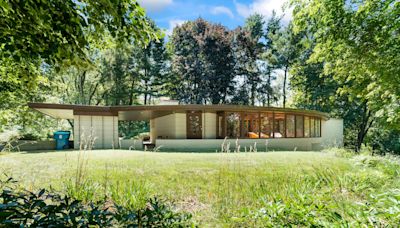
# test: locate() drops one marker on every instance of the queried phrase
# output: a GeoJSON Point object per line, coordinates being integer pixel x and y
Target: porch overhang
{"type": "Point", "coordinates": [147, 112]}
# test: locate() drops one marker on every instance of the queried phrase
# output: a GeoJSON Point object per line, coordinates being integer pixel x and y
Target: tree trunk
{"type": "Point", "coordinates": [365, 125]}
{"type": "Point", "coordinates": [92, 93]}
{"type": "Point", "coordinates": [145, 92]}
{"type": "Point", "coordinates": [253, 93]}
{"type": "Point", "coordinates": [268, 93]}
{"type": "Point", "coordinates": [81, 88]}
{"type": "Point", "coordinates": [131, 92]}
{"type": "Point", "coordinates": [284, 86]}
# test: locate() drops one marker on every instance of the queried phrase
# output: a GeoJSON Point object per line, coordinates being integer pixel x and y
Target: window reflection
{"type": "Point", "coordinates": [233, 125]}
{"type": "Point", "coordinates": [306, 126]}
{"type": "Point", "coordinates": [251, 125]}
{"type": "Point", "coordinates": [266, 125]}
{"type": "Point", "coordinates": [299, 126]}
{"type": "Point", "coordinates": [312, 126]}
{"type": "Point", "coordinates": [279, 125]}
{"type": "Point", "coordinates": [220, 125]}
{"type": "Point", "coordinates": [290, 126]}
{"type": "Point", "coordinates": [318, 127]}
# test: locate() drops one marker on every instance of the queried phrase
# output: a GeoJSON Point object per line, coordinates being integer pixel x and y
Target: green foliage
{"type": "Point", "coordinates": [332, 188]}
{"type": "Point", "coordinates": [131, 129]}
{"type": "Point", "coordinates": [384, 140]}
{"type": "Point", "coordinates": [348, 62]}
{"type": "Point", "coordinates": [246, 48]}
{"type": "Point", "coordinates": [155, 214]}
{"type": "Point", "coordinates": [202, 62]}
{"type": "Point", "coordinates": [152, 64]}
{"type": "Point", "coordinates": [42, 38]}
{"type": "Point", "coordinates": [56, 30]}
{"type": "Point", "coordinates": [43, 208]}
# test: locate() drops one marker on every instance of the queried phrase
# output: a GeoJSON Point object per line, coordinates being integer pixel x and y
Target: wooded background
{"type": "Point", "coordinates": [339, 57]}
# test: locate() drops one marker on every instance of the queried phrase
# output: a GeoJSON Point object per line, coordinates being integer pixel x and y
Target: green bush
{"type": "Point", "coordinates": [30, 136]}
{"type": "Point", "coordinates": [22, 208]}
{"type": "Point", "coordinates": [384, 141]}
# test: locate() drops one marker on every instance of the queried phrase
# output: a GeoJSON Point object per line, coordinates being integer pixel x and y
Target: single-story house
{"type": "Point", "coordinates": [198, 127]}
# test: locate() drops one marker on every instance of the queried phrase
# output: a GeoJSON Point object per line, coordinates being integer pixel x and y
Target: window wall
{"type": "Point", "coordinates": [306, 126]}
{"type": "Point", "coordinates": [233, 125]}
{"type": "Point", "coordinates": [251, 124]}
{"type": "Point", "coordinates": [220, 125]}
{"type": "Point", "coordinates": [299, 126]}
{"type": "Point", "coordinates": [279, 125]}
{"type": "Point", "coordinates": [290, 126]}
{"type": "Point", "coordinates": [267, 120]}
{"type": "Point", "coordinates": [267, 125]}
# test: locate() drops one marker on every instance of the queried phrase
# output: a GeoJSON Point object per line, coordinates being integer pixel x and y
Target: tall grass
{"type": "Point", "coordinates": [83, 186]}
{"type": "Point", "coordinates": [330, 188]}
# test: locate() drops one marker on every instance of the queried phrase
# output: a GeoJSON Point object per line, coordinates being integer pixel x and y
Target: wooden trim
{"type": "Point", "coordinates": [303, 127]}
{"type": "Point", "coordinates": [285, 124]}
{"type": "Point", "coordinates": [176, 108]}
{"type": "Point", "coordinates": [273, 125]}
{"type": "Point", "coordinates": [217, 126]}
{"type": "Point", "coordinates": [241, 125]}
{"type": "Point", "coordinates": [259, 125]}
{"type": "Point", "coordinates": [320, 127]}
{"type": "Point", "coordinates": [295, 126]}
{"type": "Point", "coordinates": [95, 113]}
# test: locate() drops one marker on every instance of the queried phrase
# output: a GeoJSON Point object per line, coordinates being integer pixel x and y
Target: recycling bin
{"type": "Point", "coordinates": [62, 139]}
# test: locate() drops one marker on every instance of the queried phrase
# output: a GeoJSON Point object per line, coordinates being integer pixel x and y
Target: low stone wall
{"type": "Point", "coordinates": [132, 144]}
{"type": "Point", "coordinates": [212, 145]}
{"type": "Point", "coordinates": [29, 145]}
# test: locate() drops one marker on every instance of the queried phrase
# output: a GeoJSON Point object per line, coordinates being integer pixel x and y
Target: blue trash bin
{"type": "Point", "coordinates": [62, 139]}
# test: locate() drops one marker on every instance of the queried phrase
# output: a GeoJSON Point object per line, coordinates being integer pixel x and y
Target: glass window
{"type": "Point", "coordinates": [251, 125]}
{"type": "Point", "coordinates": [266, 125]}
{"type": "Point", "coordinates": [290, 126]}
{"type": "Point", "coordinates": [279, 125]}
{"type": "Point", "coordinates": [312, 126]}
{"type": "Point", "coordinates": [299, 126]}
{"type": "Point", "coordinates": [220, 124]}
{"type": "Point", "coordinates": [306, 126]}
{"type": "Point", "coordinates": [233, 125]}
{"type": "Point", "coordinates": [318, 127]}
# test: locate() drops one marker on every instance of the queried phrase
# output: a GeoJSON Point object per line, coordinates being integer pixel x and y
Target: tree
{"type": "Point", "coordinates": [56, 30]}
{"type": "Point", "coordinates": [202, 62]}
{"type": "Point", "coordinates": [246, 52]}
{"type": "Point", "coordinates": [283, 46]}
{"type": "Point", "coordinates": [60, 32]}
{"type": "Point", "coordinates": [250, 47]}
{"type": "Point", "coordinates": [152, 64]}
{"type": "Point", "coordinates": [360, 56]}
{"type": "Point", "coordinates": [53, 34]}
{"type": "Point", "coordinates": [270, 56]}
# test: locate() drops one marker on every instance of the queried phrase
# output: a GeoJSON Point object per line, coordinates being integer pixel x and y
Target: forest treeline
{"type": "Point", "coordinates": [337, 57]}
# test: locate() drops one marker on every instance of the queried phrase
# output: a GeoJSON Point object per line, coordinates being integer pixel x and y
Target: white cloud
{"type": "Point", "coordinates": [264, 7]}
{"type": "Point", "coordinates": [222, 10]}
{"type": "Point", "coordinates": [173, 24]}
{"type": "Point", "coordinates": [154, 5]}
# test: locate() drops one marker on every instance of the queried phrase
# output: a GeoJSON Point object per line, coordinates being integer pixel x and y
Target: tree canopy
{"type": "Point", "coordinates": [339, 57]}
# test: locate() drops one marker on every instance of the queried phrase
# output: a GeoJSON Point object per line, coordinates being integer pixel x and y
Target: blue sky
{"type": "Point", "coordinates": [231, 13]}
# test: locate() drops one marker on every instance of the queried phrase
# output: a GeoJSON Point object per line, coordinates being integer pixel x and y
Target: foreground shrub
{"type": "Point", "coordinates": [19, 208]}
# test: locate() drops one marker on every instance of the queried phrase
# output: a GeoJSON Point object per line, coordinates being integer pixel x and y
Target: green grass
{"type": "Point", "coordinates": [246, 189]}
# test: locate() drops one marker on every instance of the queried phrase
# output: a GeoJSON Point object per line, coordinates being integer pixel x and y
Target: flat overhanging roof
{"type": "Point", "coordinates": [147, 112]}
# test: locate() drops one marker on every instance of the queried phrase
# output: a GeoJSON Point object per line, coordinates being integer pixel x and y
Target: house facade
{"type": "Point", "coordinates": [203, 127]}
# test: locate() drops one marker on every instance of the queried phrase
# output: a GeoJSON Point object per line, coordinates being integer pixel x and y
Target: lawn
{"type": "Point", "coordinates": [246, 189]}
